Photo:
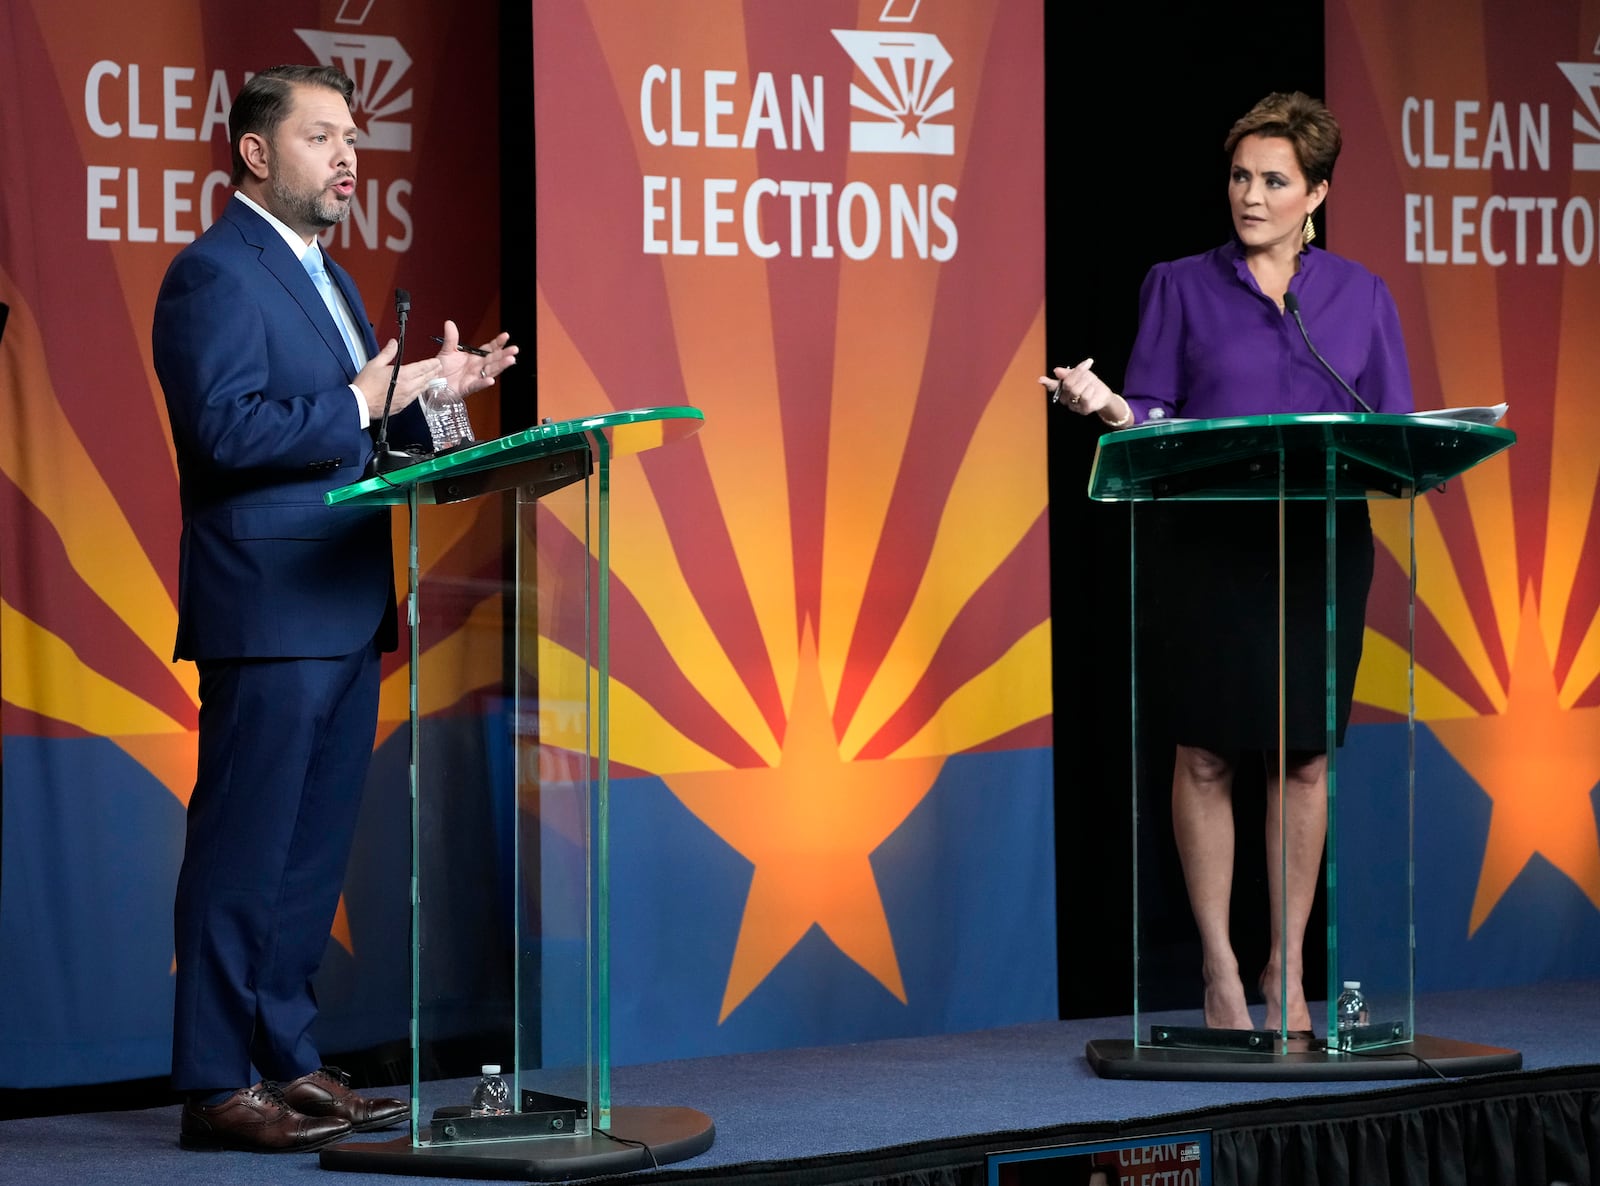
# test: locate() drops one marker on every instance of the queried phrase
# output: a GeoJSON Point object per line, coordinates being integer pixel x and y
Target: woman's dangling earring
{"type": "Point", "coordinates": [1310, 232]}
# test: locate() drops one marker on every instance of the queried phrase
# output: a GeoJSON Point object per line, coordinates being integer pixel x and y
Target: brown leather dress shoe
{"type": "Point", "coordinates": [326, 1091]}
{"type": "Point", "coordinates": [257, 1120]}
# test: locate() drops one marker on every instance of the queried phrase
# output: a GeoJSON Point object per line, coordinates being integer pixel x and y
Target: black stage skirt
{"type": "Point", "coordinates": [1207, 589]}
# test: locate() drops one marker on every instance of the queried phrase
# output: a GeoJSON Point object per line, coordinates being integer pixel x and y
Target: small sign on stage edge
{"type": "Point", "coordinates": [1170, 1159]}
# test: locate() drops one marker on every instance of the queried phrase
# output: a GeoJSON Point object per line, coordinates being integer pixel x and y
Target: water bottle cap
{"type": "Point", "coordinates": [438, 384]}
{"type": "Point", "coordinates": [491, 1068]}
{"type": "Point", "coordinates": [1352, 984]}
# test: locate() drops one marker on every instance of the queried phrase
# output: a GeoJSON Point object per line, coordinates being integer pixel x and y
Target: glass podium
{"type": "Point", "coordinates": [1238, 531]}
{"type": "Point", "coordinates": [509, 791]}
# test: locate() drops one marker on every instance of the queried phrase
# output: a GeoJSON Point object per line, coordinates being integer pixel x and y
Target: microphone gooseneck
{"type": "Point", "coordinates": [384, 458]}
{"type": "Point", "coordinates": [1292, 303]}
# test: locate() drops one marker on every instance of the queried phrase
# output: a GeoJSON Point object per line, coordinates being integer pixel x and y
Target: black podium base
{"type": "Point", "coordinates": [1421, 1058]}
{"type": "Point", "coordinates": [639, 1139]}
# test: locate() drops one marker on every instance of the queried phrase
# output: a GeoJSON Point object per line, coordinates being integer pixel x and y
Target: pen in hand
{"type": "Point", "coordinates": [481, 353]}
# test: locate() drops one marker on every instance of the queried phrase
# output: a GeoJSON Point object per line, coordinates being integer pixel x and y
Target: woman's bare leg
{"type": "Point", "coordinates": [1202, 823]}
{"type": "Point", "coordinates": [1297, 825]}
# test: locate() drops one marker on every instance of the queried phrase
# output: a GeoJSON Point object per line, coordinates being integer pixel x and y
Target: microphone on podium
{"type": "Point", "coordinates": [384, 458]}
{"type": "Point", "coordinates": [1292, 303]}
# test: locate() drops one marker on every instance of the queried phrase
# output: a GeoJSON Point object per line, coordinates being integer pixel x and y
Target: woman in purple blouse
{"type": "Point", "coordinates": [1217, 337]}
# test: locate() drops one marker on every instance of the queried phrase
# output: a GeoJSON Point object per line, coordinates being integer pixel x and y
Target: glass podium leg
{"type": "Point", "coordinates": [510, 811]}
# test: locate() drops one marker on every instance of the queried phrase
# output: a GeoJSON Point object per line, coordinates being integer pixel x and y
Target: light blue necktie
{"type": "Point", "coordinates": [318, 271]}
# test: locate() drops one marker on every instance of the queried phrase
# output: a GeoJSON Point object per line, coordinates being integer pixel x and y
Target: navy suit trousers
{"type": "Point", "coordinates": [284, 750]}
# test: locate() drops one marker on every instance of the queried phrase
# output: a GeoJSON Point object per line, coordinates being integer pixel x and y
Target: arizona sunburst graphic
{"type": "Point", "coordinates": [841, 580]}
{"type": "Point", "coordinates": [1455, 150]}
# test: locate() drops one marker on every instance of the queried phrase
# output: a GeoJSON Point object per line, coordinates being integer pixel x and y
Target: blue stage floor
{"type": "Point", "coordinates": [822, 1108]}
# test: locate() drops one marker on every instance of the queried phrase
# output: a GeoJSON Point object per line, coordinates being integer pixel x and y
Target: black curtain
{"type": "Point", "coordinates": [1138, 100]}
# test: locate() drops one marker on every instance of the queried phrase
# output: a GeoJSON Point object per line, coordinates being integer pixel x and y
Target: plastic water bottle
{"type": "Point", "coordinates": [435, 396]}
{"type": "Point", "coordinates": [1350, 1010]}
{"type": "Point", "coordinates": [446, 413]}
{"type": "Point", "coordinates": [460, 425]}
{"type": "Point", "coordinates": [491, 1097]}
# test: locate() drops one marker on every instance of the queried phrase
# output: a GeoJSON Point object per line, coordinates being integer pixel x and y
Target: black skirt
{"type": "Point", "coordinates": [1207, 596]}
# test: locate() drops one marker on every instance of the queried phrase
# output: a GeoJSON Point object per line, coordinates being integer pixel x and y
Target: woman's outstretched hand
{"type": "Point", "coordinates": [1081, 390]}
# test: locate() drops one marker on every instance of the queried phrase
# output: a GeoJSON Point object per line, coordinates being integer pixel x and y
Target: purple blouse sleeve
{"type": "Point", "coordinates": [1154, 378]}
{"type": "Point", "coordinates": [1386, 384]}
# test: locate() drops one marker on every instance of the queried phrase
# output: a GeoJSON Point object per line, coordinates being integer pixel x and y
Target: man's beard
{"type": "Point", "coordinates": [313, 209]}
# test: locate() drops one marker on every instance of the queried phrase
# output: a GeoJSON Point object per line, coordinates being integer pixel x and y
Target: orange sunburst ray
{"type": "Point", "coordinates": [46, 460]}
{"type": "Point", "coordinates": [989, 508]}
{"type": "Point", "coordinates": [758, 561]}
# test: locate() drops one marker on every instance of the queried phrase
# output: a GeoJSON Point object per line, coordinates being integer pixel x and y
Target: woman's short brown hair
{"type": "Point", "coordinates": [1301, 120]}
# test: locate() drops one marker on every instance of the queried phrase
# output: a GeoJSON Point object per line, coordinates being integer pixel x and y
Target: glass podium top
{"type": "Point", "coordinates": [617, 433]}
{"type": "Point", "coordinates": [1240, 458]}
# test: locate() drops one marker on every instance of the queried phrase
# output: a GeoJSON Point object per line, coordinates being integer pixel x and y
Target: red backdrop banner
{"type": "Point", "coordinates": [114, 154]}
{"type": "Point", "coordinates": [822, 224]}
{"type": "Point", "coordinates": [1471, 182]}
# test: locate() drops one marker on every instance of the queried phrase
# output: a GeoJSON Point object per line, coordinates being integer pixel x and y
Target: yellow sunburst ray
{"type": "Point", "coordinates": [1494, 525]}
{"type": "Point", "coordinates": [440, 531]}
{"type": "Point", "coordinates": [640, 735]}
{"type": "Point", "coordinates": [876, 376]}
{"type": "Point", "coordinates": [992, 503]}
{"type": "Point", "coordinates": [644, 560]}
{"type": "Point", "coordinates": [1470, 368]}
{"type": "Point", "coordinates": [1010, 692]}
{"type": "Point", "coordinates": [1470, 363]}
{"type": "Point", "coordinates": [572, 387]}
{"type": "Point", "coordinates": [1439, 587]}
{"type": "Point", "coordinates": [45, 675]}
{"type": "Point", "coordinates": [729, 371]}
{"type": "Point", "coordinates": [43, 455]}
{"type": "Point", "coordinates": [1585, 667]}
{"type": "Point", "coordinates": [724, 346]}
{"type": "Point", "coordinates": [1381, 682]}
{"type": "Point", "coordinates": [642, 555]}
{"type": "Point", "coordinates": [1574, 468]}
{"type": "Point", "coordinates": [444, 526]}
{"type": "Point", "coordinates": [468, 657]}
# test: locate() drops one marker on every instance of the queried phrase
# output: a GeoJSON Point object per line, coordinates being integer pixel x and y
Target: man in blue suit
{"type": "Point", "coordinates": [274, 381]}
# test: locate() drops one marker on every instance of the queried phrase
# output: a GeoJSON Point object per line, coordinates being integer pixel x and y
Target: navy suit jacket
{"type": "Point", "coordinates": [256, 378]}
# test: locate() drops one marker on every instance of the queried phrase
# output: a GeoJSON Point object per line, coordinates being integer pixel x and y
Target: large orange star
{"type": "Point", "coordinates": [809, 825]}
{"type": "Point", "coordinates": [1539, 764]}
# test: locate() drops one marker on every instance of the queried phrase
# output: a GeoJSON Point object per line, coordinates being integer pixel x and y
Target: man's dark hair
{"type": "Point", "coordinates": [266, 99]}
